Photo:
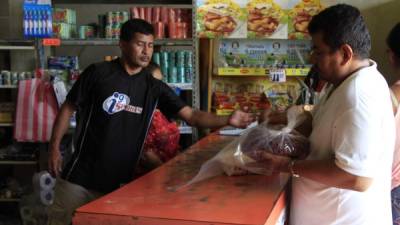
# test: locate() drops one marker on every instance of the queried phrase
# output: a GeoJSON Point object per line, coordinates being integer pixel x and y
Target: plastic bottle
{"type": "Point", "coordinates": [49, 22]}
{"type": "Point", "coordinates": [26, 23]}
{"type": "Point", "coordinates": [35, 23]}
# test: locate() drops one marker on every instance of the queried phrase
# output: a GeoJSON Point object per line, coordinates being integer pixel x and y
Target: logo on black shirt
{"type": "Point", "coordinates": [118, 102]}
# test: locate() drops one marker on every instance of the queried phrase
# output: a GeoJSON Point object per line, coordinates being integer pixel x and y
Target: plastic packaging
{"type": "Point", "coordinates": [236, 157]}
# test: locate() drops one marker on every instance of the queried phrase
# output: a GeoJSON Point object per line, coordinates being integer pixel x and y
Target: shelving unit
{"type": "Point", "coordinates": [114, 42]}
{"type": "Point", "coordinates": [82, 47]}
{"type": "Point", "coordinates": [12, 166]}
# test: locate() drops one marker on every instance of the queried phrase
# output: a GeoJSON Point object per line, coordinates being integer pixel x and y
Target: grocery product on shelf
{"type": "Point", "coordinates": [37, 19]}
{"type": "Point", "coordinates": [64, 23]}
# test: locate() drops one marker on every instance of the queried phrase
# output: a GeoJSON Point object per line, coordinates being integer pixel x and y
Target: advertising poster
{"type": "Point", "coordinates": [267, 19]}
{"type": "Point", "coordinates": [221, 18]}
{"type": "Point", "coordinates": [300, 15]}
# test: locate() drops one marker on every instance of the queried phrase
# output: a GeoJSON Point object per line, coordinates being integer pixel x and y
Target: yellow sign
{"type": "Point", "coordinates": [229, 71]}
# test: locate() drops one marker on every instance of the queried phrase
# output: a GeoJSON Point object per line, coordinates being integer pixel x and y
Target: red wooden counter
{"type": "Point", "coordinates": [223, 200]}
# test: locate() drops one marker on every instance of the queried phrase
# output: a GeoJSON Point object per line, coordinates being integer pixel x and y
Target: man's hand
{"type": "Point", "coordinates": [55, 161]}
{"type": "Point", "coordinates": [241, 119]}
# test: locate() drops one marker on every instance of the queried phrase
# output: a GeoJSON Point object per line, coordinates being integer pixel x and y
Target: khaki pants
{"type": "Point", "coordinates": [67, 198]}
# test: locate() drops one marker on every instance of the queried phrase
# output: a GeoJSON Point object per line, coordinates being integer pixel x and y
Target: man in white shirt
{"type": "Point", "coordinates": [346, 178]}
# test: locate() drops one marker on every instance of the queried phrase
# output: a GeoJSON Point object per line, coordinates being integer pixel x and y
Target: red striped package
{"type": "Point", "coordinates": [36, 111]}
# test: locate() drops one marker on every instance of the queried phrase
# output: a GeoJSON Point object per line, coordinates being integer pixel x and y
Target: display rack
{"type": "Point", "coordinates": [81, 45]}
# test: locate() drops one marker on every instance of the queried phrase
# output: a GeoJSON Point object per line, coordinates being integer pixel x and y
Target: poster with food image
{"type": "Point", "coordinates": [300, 15]}
{"type": "Point", "coordinates": [251, 53]}
{"type": "Point", "coordinates": [267, 19]}
{"type": "Point", "coordinates": [254, 94]}
{"type": "Point", "coordinates": [221, 18]}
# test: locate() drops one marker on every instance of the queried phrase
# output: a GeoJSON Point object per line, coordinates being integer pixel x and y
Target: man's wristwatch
{"type": "Point", "coordinates": [291, 170]}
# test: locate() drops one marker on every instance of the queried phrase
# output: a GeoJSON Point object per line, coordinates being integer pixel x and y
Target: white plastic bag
{"type": "Point", "coordinates": [277, 139]}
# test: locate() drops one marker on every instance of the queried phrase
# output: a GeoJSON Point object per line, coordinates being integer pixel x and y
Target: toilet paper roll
{"type": "Point", "coordinates": [43, 181]}
{"type": "Point", "coordinates": [47, 197]}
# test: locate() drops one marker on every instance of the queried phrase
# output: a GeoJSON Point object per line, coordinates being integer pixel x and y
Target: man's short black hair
{"type": "Point", "coordinates": [343, 24]}
{"type": "Point", "coordinates": [132, 26]}
{"type": "Point", "coordinates": [393, 40]}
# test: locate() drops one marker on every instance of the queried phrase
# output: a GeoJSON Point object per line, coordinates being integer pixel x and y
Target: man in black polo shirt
{"type": "Point", "coordinates": [115, 102]}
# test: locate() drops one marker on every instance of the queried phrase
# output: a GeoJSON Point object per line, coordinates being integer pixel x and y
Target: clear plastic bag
{"type": "Point", "coordinates": [235, 158]}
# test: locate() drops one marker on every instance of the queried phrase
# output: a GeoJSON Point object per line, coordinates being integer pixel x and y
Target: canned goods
{"type": "Point", "coordinates": [124, 17]}
{"type": "Point", "coordinates": [22, 76]}
{"type": "Point", "coordinates": [14, 78]}
{"type": "Point", "coordinates": [117, 18]}
{"type": "Point", "coordinates": [188, 59]}
{"type": "Point", "coordinates": [86, 32]}
{"type": "Point", "coordinates": [109, 31]}
{"type": "Point", "coordinates": [6, 77]}
{"type": "Point", "coordinates": [110, 18]}
{"type": "Point", "coordinates": [171, 58]}
{"type": "Point", "coordinates": [172, 74]}
{"type": "Point", "coordinates": [156, 58]}
{"type": "Point", "coordinates": [180, 60]}
{"type": "Point", "coordinates": [164, 71]}
{"type": "Point", "coordinates": [164, 59]}
{"type": "Point", "coordinates": [116, 29]}
{"type": "Point", "coordinates": [188, 74]}
{"type": "Point", "coordinates": [180, 74]}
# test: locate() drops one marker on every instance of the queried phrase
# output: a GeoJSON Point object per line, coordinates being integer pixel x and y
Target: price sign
{"type": "Point", "coordinates": [51, 42]}
{"type": "Point", "coordinates": [277, 75]}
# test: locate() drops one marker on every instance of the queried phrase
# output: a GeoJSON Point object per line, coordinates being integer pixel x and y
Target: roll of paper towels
{"type": "Point", "coordinates": [43, 181]}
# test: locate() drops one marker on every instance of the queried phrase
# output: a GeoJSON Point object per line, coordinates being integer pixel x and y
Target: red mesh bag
{"type": "Point", "coordinates": [163, 137]}
{"type": "Point", "coordinates": [161, 144]}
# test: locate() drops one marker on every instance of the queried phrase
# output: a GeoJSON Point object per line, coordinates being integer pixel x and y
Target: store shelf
{"type": "Point", "coordinates": [248, 71]}
{"type": "Point", "coordinates": [111, 42]}
{"type": "Point", "coordinates": [10, 199]}
{"type": "Point", "coordinates": [17, 45]}
{"type": "Point", "coordinates": [8, 86]}
{"type": "Point", "coordinates": [182, 86]}
{"type": "Point", "coordinates": [185, 130]}
{"type": "Point", "coordinates": [138, 3]}
{"type": "Point", "coordinates": [6, 124]}
{"type": "Point", "coordinates": [17, 162]}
